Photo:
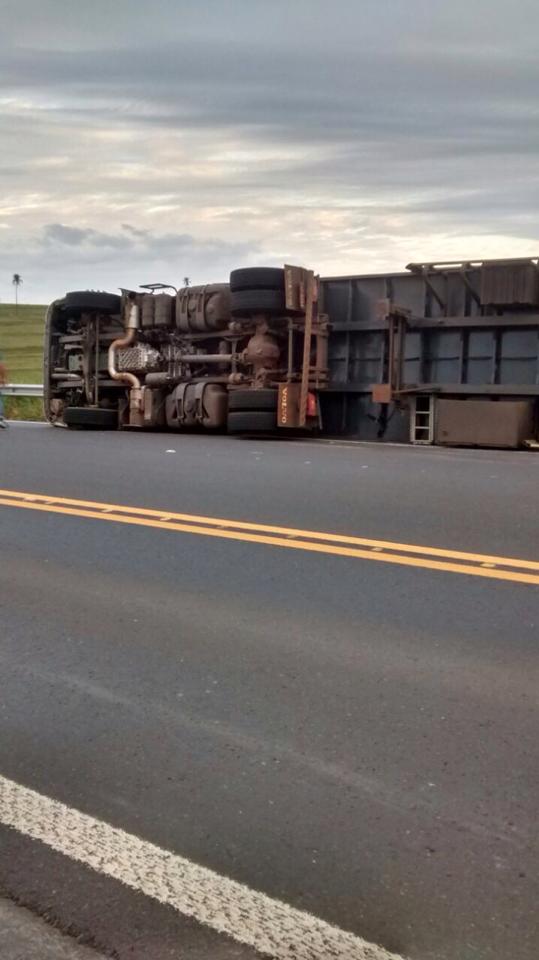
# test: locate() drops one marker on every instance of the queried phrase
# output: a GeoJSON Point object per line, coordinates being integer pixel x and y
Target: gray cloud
{"type": "Point", "coordinates": [81, 257]}
{"type": "Point", "coordinates": [58, 234]}
{"type": "Point", "coordinates": [348, 136]}
{"type": "Point", "coordinates": [374, 92]}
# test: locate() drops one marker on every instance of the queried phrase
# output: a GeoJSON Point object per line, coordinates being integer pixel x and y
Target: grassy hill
{"type": "Point", "coordinates": [21, 341]}
{"type": "Point", "coordinates": [21, 345]}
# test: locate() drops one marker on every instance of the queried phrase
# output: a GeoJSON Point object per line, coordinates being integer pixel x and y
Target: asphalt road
{"type": "Point", "coordinates": [357, 739]}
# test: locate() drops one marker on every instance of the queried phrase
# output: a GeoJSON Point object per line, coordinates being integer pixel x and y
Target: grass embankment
{"type": "Point", "coordinates": [21, 345]}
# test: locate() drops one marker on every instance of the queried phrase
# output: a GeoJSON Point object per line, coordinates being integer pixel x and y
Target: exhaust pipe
{"type": "Point", "coordinates": [136, 411]}
{"type": "Point", "coordinates": [131, 325]}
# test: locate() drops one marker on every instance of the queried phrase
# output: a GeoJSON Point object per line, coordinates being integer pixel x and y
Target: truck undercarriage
{"type": "Point", "coordinates": [245, 356]}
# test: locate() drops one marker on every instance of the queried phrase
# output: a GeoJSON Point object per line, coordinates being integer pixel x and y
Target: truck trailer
{"type": "Point", "coordinates": [444, 353]}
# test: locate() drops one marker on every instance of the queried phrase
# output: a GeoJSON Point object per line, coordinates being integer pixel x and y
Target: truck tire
{"type": "Point", "coordinates": [90, 300]}
{"type": "Point", "coordinates": [257, 278]}
{"type": "Point", "coordinates": [252, 421]}
{"type": "Point", "coordinates": [252, 399]}
{"type": "Point", "coordinates": [90, 418]}
{"type": "Point", "coordinates": [245, 302]}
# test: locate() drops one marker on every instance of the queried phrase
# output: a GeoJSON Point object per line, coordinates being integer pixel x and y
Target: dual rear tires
{"type": "Point", "coordinates": [252, 411]}
{"type": "Point", "coordinates": [257, 278]}
{"type": "Point", "coordinates": [257, 290]}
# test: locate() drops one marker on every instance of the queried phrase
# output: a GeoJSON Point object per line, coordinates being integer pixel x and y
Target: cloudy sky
{"type": "Point", "coordinates": [147, 141]}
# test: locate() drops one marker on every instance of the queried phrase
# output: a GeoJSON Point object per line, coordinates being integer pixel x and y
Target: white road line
{"type": "Point", "coordinates": [269, 926]}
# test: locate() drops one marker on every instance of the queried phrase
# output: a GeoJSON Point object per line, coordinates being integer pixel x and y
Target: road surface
{"type": "Point", "coordinates": [309, 669]}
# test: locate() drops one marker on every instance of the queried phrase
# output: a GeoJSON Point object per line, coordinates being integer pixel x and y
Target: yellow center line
{"type": "Point", "coordinates": [285, 531]}
{"type": "Point", "coordinates": [277, 541]}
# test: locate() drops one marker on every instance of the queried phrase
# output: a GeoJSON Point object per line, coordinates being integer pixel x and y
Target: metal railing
{"type": "Point", "coordinates": [22, 390]}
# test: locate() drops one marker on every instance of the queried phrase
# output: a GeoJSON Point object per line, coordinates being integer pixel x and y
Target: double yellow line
{"type": "Point", "coordinates": [381, 551]}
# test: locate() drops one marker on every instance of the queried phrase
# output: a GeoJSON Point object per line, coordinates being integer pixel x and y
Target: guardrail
{"type": "Point", "coordinates": [22, 389]}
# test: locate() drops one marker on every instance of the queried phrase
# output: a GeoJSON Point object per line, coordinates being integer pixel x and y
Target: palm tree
{"type": "Point", "coordinates": [16, 281]}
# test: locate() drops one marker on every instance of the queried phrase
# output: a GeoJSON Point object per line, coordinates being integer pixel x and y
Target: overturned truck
{"type": "Point", "coordinates": [443, 353]}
